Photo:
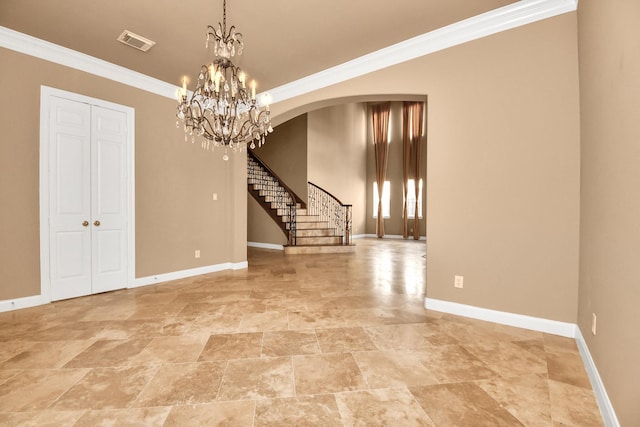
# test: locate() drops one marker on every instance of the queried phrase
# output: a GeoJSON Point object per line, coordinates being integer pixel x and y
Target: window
{"type": "Point", "coordinates": [386, 197]}
{"type": "Point", "coordinates": [411, 198]}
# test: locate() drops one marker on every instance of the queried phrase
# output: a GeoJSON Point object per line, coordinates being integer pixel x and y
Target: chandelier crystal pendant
{"type": "Point", "coordinates": [221, 111]}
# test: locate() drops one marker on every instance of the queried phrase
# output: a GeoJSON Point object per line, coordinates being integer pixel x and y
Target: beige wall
{"type": "Point", "coordinates": [394, 224]}
{"type": "Point", "coordinates": [610, 205]}
{"type": "Point", "coordinates": [175, 213]}
{"type": "Point", "coordinates": [503, 165]}
{"type": "Point", "coordinates": [337, 156]}
{"type": "Point", "coordinates": [503, 172]}
{"type": "Point", "coordinates": [260, 226]}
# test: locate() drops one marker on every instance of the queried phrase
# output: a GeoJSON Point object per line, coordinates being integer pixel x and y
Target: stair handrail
{"type": "Point", "coordinates": [289, 228]}
{"type": "Point", "coordinates": [329, 208]}
{"type": "Point", "coordinates": [292, 193]}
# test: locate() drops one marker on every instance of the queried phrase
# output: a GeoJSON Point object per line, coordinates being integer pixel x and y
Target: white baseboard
{"type": "Point", "coordinates": [265, 246]}
{"type": "Point", "coordinates": [518, 320]}
{"type": "Point", "coordinates": [18, 303]}
{"type": "Point", "coordinates": [387, 236]}
{"type": "Point", "coordinates": [176, 275]}
{"type": "Point", "coordinates": [606, 408]}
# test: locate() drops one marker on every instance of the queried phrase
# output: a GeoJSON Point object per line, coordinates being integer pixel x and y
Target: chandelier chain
{"type": "Point", "coordinates": [224, 16]}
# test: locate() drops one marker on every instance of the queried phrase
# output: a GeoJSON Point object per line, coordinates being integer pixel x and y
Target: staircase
{"type": "Point", "coordinates": [320, 231]}
{"type": "Point", "coordinates": [316, 236]}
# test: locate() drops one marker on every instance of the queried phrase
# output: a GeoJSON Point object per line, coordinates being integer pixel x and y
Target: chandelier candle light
{"type": "Point", "coordinates": [221, 111]}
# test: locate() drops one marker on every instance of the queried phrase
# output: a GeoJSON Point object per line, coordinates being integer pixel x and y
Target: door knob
{"type": "Point", "coordinates": [96, 223]}
{"type": "Point", "coordinates": [85, 223]}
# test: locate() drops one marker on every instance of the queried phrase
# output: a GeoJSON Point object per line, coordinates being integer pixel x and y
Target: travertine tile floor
{"type": "Point", "coordinates": [304, 340]}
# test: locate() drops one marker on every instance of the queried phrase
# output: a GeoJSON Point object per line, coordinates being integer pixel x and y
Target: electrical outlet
{"type": "Point", "coordinates": [593, 323]}
{"type": "Point", "coordinates": [215, 196]}
{"type": "Point", "coordinates": [458, 281]}
{"type": "Point", "coordinates": [197, 254]}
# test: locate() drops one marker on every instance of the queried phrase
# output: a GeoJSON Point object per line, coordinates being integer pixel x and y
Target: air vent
{"type": "Point", "coordinates": [136, 41]}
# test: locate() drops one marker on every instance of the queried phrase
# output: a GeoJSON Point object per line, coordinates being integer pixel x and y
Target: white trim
{"type": "Point", "coordinates": [265, 246]}
{"type": "Point", "coordinates": [518, 320]}
{"type": "Point", "coordinates": [183, 274]}
{"type": "Point", "coordinates": [18, 303]}
{"type": "Point", "coordinates": [390, 236]}
{"type": "Point", "coordinates": [505, 18]}
{"type": "Point", "coordinates": [42, 49]}
{"type": "Point", "coordinates": [606, 408]}
{"type": "Point", "coordinates": [45, 94]}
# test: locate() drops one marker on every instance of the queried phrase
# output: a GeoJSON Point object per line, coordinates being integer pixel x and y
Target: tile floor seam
{"type": "Point", "coordinates": [255, 409]}
{"type": "Point", "coordinates": [82, 414]}
{"type": "Point", "coordinates": [224, 373]}
{"type": "Point", "coordinates": [53, 402]}
{"type": "Point", "coordinates": [420, 406]}
{"type": "Point", "coordinates": [164, 420]}
{"type": "Point", "coordinates": [315, 334]}
{"type": "Point", "coordinates": [262, 345]}
{"type": "Point", "coordinates": [142, 390]}
{"type": "Point", "coordinates": [364, 377]}
{"type": "Point", "coordinates": [293, 377]}
{"type": "Point", "coordinates": [18, 371]}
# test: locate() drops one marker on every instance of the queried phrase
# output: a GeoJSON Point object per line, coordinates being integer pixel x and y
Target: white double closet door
{"type": "Point", "coordinates": [87, 198]}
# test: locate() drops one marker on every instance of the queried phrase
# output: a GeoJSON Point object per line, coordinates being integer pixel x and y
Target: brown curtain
{"type": "Point", "coordinates": [417, 114]}
{"type": "Point", "coordinates": [380, 120]}
{"type": "Point", "coordinates": [412, 118]}
{"type": "Point", "coordinates": [406, 164]}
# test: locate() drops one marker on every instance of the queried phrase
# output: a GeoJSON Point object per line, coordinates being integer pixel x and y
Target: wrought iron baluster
{"type": "Point", "coordinates": [330, 209]}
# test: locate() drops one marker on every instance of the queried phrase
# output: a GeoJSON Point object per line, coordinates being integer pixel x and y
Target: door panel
{"type": "Point", "coordinates": [72, 250]}
{"type": "Point", "coordinates": [109, 244]}
{"type": "Point", "coordinates": [69, 198]}
{"type": "Point", "coordinates": [109, 239]}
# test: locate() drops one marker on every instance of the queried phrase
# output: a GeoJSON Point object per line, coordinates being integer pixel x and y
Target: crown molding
{"type": "Point", "coordinates": [505, 18]}
{"type": "Point", "coordinates": [42, 49]}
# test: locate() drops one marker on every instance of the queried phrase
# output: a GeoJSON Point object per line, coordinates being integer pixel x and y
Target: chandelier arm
{"type": "Point", "coordinates": [263, 116]}
{"type": "Point", "coordinates": [208, 135]}
{"type": "Point", "coordinates": [197, 103]}
{"type": "Point", "coordinates": [247, 129]}
{"type": "Point", "coordinates": [237, 37]}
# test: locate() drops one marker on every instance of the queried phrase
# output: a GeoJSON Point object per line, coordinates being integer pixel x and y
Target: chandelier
{"type": "Point", "coordinates": [221, 111]}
